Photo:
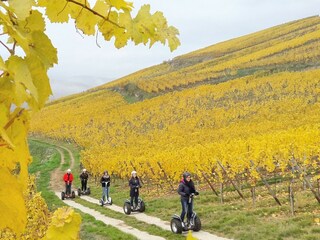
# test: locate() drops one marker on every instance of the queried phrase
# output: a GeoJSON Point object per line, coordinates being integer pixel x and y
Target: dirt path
{"type": "Point", "coordinates": [56, 180]}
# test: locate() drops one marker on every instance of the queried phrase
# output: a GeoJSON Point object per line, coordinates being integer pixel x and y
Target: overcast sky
{"type": "Point", "coordinates": [82, 64]}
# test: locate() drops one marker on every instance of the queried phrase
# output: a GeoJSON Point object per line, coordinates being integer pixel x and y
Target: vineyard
{"type": "Point", "coordinates": [243, 109]}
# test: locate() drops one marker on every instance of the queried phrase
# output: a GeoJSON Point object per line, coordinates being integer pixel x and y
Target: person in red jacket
{"type": "Point", "coordinates": [68, 178]}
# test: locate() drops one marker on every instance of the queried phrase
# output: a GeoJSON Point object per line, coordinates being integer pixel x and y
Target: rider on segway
{"type": "Point", "coordinates": [84, 179]}
{"type": "Point", "coordinates": [134, 184]}
{"type": "Point", "coordinates": [68, 178]}
{"type": "Point", "coordinates": [187, 190]}
{"type": "Point", "coordinates": [105, 184]}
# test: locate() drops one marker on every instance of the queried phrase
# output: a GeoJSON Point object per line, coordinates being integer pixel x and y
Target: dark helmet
{"type": "Point", "coordinates": [185, 175]}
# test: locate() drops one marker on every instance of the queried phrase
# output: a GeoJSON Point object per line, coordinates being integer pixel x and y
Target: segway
{"type": "Point", "coordinates": [64, 195]}
{"type": "Point", "coordinates": [127, 208]}
{"type": "Point", "coordinates": [194, 224]}
{"type": "Point", "coordinates": [86, 192]}
{"type": "Point", "coordinates": [104, 201]}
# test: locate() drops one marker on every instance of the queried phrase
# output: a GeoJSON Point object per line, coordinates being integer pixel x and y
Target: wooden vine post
{"type": "Point", "coordinates": [166, 176]}
{"type": "Point", "coordinates": [266, 184]}
{"type": "Point", "coordinates": [234, 185]}
{"type": "Point", "coordinates": [305, 179]}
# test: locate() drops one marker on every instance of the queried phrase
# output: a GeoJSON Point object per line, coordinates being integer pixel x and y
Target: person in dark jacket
{"type": "Point", "coordinates": [84, 179]}
{"type": "Point", "coordinates": [105, 183]}
{"type": "Point", "coordinates": [186, 189]}
{"type": "Point", "coordinates": [134, 184]}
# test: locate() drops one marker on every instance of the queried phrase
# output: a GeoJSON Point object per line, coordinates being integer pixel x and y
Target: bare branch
{"type": "Point", "coordinates": [10, 51]}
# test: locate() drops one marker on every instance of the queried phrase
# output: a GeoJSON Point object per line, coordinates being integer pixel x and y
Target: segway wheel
{"type": "Point", "coordinates": [79, 192]}
{"type": "Point", "coordinates": [197, 224]}
{"type": "Point", "coordinates": [127, 208]}
{"type": "Point", "coordinates": [101, 202]}
{"type": "Point", "coordinates": [176, 226]}
{"type": "Point", "coordinates": [88, 191]}
{"type": "Point", "coordinates": [63, 195]}
{"type": "Point", "coordinates": [73, 194]}
{"type": "Point", "coordinates": [110, 200]}
{"type": "Point", "coordinates": [142, 206]}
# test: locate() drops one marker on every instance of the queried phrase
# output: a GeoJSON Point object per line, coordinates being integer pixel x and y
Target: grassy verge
{"type": "Point", "coordinates": [45, 160]}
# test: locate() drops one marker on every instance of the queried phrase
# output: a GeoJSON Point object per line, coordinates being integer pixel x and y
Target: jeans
{"type": "Point", "coordinates": [186, 208]}
{"type": "Point", "coordinates": [105, 193]}
{"type": "Point", "coordinates": [68, 188]}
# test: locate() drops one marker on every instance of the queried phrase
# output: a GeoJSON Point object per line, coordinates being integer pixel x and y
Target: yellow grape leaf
{"type": "Point", "coordinates": [18, 68]}
{"type": "Point", "coordinates": [14, 32]}
{"type": "Point", "coordinates": [43, 48]}
{"type": "Point", "coordinates": [75, 9]}
{"type": "Point", "coordinates": [2, 64]}
{"type": "Point", "coordinates": [190, 237]}
{"type": "Point", "coordinates": [40, 79]}
{"type": "Point", "coordinates": [34, 22]}
{"type": "Point", "coordinates": [121, 38]}
{"type": "Point", "coordinates": [12, 204]}
{"type": "Point", "coordinates": [5, 137]}
{"type": "Point", "coordinates": [65, 224]}
{"type": "Point", "coordinates": [4, 113]}
{"type": "Point", "coordinates": [108, 29]}
{"type": "Point", "coordinates": [86, 21]}
{"type": "Point", "coordinates": [56, 10]}
{"type": "Point", "coordinates": [173, 40]}
{"type": "Point", "coordinates": [6, 89]}
{"type": "Point", "coordinates": [120, 4]}
{"type": "Point", "coordinates": [101, 7]}
{"type": "Point", "coordinates": [21, 8]}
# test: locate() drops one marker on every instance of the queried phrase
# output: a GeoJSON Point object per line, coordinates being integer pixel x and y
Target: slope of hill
{"type": "Point", "coordinates": [245, 103]}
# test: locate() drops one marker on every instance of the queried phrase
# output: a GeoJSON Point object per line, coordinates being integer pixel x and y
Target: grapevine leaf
{"type": "Point", "coordinates": [120, 4]}
{"type": "Point", "coordinates": [43, 48]}
{"type": "Point", "coordinates": [75, 9]}
{"type": "Point", "coordinates": [12, 202]}
{"type": "Point", "coordinates": [34, 22]}
{"type": "Point", "coordinates": [19, 70]}
{"type": "Point", "coordinates": [86, 22]}
{"type": "Point", "coordinates": [40, 79]}
{"type": "Point", "coordinates": [101, 7]}
{"type": "Point", "coordinates": [56, 10]}
{"type": "Point", "coordinates": [65, 224]}
{"type": "Point", "coordinates": [21, 8]}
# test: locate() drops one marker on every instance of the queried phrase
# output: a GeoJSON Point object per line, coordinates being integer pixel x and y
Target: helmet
{"type": "Point", "coordinates": [84, 170]}
{"type": "Point", "coordinates": [186, 174]}
{"type": "Point", "coordinates": [133, 172]}
{"type": "Point", "coordinates": [69, 170]}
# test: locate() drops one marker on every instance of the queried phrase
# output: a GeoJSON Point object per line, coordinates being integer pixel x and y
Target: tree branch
{"type": "Point", "coordinates": [10, 51]}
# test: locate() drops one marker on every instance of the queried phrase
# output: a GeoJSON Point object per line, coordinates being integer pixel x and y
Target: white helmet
{"type": "Point", "coordinates": [69, 170]}
{"type": "Point", "coordinates": [133, 172]}
{"type": "Point", "coordinates": [84, 170]}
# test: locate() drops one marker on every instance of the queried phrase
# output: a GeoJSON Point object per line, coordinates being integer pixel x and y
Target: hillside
{"type": "Point", "coordinates": [253, 98]}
